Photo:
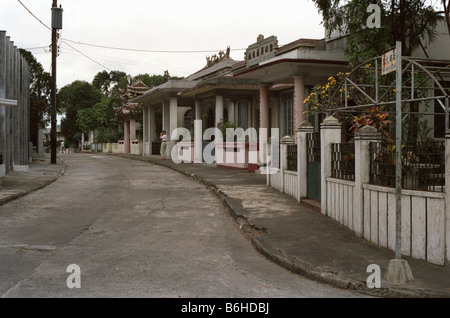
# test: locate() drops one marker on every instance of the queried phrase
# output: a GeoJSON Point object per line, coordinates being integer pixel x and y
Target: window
{"type": "Point", "coordinates": [287, 102]}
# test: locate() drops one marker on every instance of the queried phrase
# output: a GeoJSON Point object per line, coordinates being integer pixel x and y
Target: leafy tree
{"type": "Point", "coordinates": [72, 98]}
{"type": "Point", "coordinates": [40, 93]}
{"type": "Point", "coordinates": [410, 21]}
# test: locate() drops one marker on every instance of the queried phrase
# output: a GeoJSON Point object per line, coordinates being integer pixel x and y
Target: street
{"type": "Point", "coordinates": [135, 230]}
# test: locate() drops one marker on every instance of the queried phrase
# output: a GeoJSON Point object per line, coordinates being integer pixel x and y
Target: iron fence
{"type": "Point", "coordinates": [343, 161]}
{"type": "Point", "coordinates": [423, 165]}
{"type": "Point", "coordinates": [313, 142]}
{"type": "Point", "coordinates": [292, 157]}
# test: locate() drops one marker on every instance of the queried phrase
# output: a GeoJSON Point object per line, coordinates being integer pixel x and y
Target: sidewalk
{"type": "Point", "coordinates": [293, 236]}
{"type": "Point", "coordinates": [40, 174]}
{"type": "Point", "coordinates": [305, 241]}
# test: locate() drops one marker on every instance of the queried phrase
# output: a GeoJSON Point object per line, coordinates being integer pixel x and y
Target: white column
{"type": "Point", "coordinates": [330, 132]}
{"type": "Point", "coordinates": [198, 131]}
{"type": "Point", "coordinates": [303, 130]}
{"type": "Point", "coordinates": [447, 192]}
{"type": "Point", "coordinates": [173, 124]}
{"type": "Point", "coordinates": [219, 109]}
{"type": "Point", "coordinates": [363, 138]}
{"type": "Point", "coordinates": [145, 128]}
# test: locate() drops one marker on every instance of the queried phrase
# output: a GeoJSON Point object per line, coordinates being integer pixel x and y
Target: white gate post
{"type": "Point", "coordinates": [363, 138]}
{"type": "Point", "coordinates": [303, 130]}
{"type": "Point", "coordinates": [330, 132]}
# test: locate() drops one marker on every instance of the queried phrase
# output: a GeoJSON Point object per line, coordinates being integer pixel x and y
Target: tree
{"type": "Point", "coordinates": [72, 98]}
{"type": "Point", "coordinates": [40, 90]}
{"type": "Point", "coordinates": [412, 22]}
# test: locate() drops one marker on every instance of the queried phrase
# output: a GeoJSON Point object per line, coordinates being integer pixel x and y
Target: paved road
{"type": "Point", "coordinates": [135, 230]}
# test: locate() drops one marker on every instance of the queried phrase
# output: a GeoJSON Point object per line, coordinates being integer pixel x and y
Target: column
{"type": "Point", "coordinates": [219, 109]}
{"type": "Point", "coordinates": [299, 97]}
{"type": "Point", "coordinates": [363, 138]}
{"type": "Point", "coordinates": [231, 111]}
{"type": "Point", "coordinates": [447, 192]}
{"type": "Point", "coordinates": [263, 120]}
{"type": "Point", "coordinates": [165, 116]}
{"type": "Point", "coordinates": [303, 130]}
{"type": "Point", "coordinates": [2, 108]}
{"type": "Point", "coordinates": [330, 132]}
{"type": "Point", "coordinates": [151, 124]}
{"type": "Point", "coordinates": [132, 129]}
{"type": "Point", "coordinates": [173, 123]}
{"type": "Point", "coordinates": [126, 136]}
{"type": "Point", "coordinates": [198, 132]}
{"type": "Point", "coordinates": [145, 129]}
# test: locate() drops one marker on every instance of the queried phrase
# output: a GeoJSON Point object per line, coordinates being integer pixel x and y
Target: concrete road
{"type": "Point", "coordinates": [134, 230]}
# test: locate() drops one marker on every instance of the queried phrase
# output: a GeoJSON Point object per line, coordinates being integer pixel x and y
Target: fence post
{"type": "Point", "coordinates": [303, 130]}
{"type": "Point", "coordinates": [363, 138]}
{"type": "Point", "coordinates": [284, 142]}
{"type": "Point", "coordinates": [330, 132]}
{"type": "Point", "coordinates": [447, 192]}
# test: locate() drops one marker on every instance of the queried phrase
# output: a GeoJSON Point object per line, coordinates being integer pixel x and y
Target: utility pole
{"type": "Point", "coordinates": [56, 25]}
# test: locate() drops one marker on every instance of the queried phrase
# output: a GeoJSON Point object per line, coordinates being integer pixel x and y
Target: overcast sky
{"type": "Point", "coordinates": [176, 25]}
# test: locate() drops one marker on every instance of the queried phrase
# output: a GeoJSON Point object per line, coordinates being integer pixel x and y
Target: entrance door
{"type": "Point", "coordinates": [313, 167]}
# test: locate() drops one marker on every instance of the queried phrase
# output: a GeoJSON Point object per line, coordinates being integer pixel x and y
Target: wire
{"type": "Point", "coordinates": [34, 15]}
{"type": "Point", "coordinates": [147, 51]}
{"type": "Point", "coordinates": [86, 56]}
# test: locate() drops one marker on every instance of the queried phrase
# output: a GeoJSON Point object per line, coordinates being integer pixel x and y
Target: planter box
{"type": "Point", "coordinates": [136, 147]}
{"type": "Point", "coordinates": [232, 155]}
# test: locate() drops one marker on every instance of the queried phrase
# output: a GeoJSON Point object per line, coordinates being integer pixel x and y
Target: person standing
{"type": "Point", "coordinates": [163, 137]}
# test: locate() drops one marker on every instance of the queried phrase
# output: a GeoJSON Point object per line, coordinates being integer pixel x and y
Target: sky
{"type": "Point", "coordinates": [175, 31]}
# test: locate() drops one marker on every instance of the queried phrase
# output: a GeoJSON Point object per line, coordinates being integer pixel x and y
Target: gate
{"type": "Point", "coordinates": [313, 167]}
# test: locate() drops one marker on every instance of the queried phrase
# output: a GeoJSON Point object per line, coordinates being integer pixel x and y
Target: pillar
{"type": "Point", "coordinates": [126, 136]}
{"type": "Point", "coordinates": [363, 138]}
{"type": "Point", "coordinates": [3, 118]}
{"type": "Point", "coordinates": [447, 193]}
{"type": "Point", "coordinates": [145, 128]}
{"type": "Point", "coordinates": [219, 109]}
{"type": "Point", "coordinates": [173, 123]}
{"type": "Point", "coordinates": [151, 124]}
{"type": "Point", "coordinates": [132, 129]}
{"type": "Point", "coordinates": [198, 131]}
{"type": "Point", "coordinates": [303, 130]}
{"type": "Point", "coordinates": [299, 97]}
{"type": "Point", "coordinates": [330, 132]}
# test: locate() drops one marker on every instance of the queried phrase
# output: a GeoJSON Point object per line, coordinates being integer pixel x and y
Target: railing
{"type": "Point", "coordinates": [313, 151]}
{"type": "Point", "coordinates": [423, 165]}
{"type": "Point", "coordinates": [292, 157]}
{"type": "Point", "coordinates": [343, 161]}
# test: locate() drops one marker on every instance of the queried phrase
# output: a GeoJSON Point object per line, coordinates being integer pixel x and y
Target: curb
{"type": "Point", "coordinates": [293, 263]}
{"type": "Point", "coordinates": [46, 183]}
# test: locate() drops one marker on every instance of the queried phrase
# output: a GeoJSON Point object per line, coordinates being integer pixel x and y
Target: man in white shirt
{"type": "Point", "coordinates": [163, 137]}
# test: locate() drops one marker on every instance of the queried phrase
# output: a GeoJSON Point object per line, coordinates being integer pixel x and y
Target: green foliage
{"type": "Point", "coordinates": [72, 98]}
{"type": "Point", "coordinates": [412, 22]}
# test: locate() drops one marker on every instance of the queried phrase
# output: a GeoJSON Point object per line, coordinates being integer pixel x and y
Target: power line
{"type": "Point", "coordinates": [29, 11]}
{"type": "Point", "coordinates": [86, 56]}
{"type": "Point", "coordinates": [147, 51]}
{"type": "Point", "coordinates": [121, 48]}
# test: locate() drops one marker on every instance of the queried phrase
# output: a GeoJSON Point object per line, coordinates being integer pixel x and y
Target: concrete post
{"type": "Point", "coordinates": [219, 109]}
{"type": "Point", "coordinates": [299, 97]}
{"type": "Point", "coordinates": [198, 131]}
{"type": "Point", "coordinates": [126, 136]}
{"type": "Point", "coordinates": [151, 124]}
{"type": "Point", "coordinates": [363, 138]}
{"type": "Point", "coordinates": [284, 142]}
{"type": "Point", "coordinates": [173, 113]}
{"type": "Point", "coordinates": [132, 129]}
{"type": "Point", "coordinates": [145, 128]}
{"type": "Point", "coordinates": [3, 118]}
{"type": "Point", "coordinates": [303, 130]}
{"type": "Point", "coordinates": [447, 192]}
{"type": "Point", "coordinates": [330, 132]}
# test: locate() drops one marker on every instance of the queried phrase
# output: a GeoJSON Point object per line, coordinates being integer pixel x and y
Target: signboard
{"type": "Point", "coordinates": [388, 62]}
